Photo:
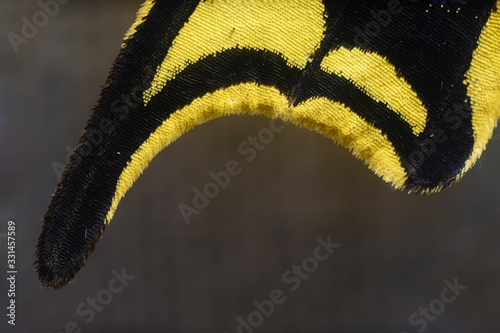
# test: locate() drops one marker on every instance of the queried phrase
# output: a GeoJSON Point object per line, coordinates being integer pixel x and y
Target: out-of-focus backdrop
{"type": "Point", "coordinates": [394, 271]}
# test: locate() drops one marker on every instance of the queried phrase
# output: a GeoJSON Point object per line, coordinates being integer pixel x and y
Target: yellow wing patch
{"type": "Point", "coordinates": [243, 98]}
{"type": "Point", "coordinates": [292, 28]}
{"type": "Point", "coordinates": [483, 81]}
{"type": "Point", "coordinates": [378, 78]}
{"type": "Point", "coordinates": [141, 17]}
{"type": "Point", "coordinates": [326, 117]}
{"type": "Point", "coordinates": [337, 122]}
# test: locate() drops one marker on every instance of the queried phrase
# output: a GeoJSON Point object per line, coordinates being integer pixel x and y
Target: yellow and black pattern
{"type": "Point", "coordinates": [411, 87]}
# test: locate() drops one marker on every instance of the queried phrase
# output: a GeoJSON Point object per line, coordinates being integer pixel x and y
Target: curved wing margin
{"type": "Point", "coordinates": [410, 87]}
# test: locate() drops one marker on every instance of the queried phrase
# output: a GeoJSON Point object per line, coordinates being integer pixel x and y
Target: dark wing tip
{"type": "Point", "coordinates": [63, 250]}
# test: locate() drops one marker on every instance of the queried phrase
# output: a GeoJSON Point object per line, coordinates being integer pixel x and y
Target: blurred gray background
{"type": "Point", "coordinates": [396, 249]}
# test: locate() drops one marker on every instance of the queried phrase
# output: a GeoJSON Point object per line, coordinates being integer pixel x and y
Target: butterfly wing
{"type": "Point", "coordinates": [410, 87]}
